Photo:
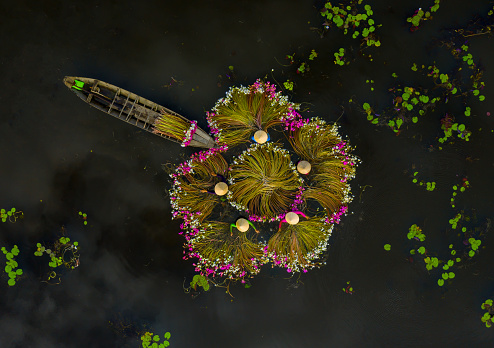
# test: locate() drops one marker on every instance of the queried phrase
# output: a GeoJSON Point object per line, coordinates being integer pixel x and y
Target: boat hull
{"type": "Point", "coordinates": [129, 107]}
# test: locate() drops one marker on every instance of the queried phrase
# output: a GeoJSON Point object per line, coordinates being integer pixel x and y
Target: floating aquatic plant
{"type": "Point", "coordinates": [245, 110]}
{"type": "Point", "coordinates": [63, 252]}
{"type": "Point", "coordinates": [11, 265]}
{"type": "Point", "coordinates": [459, 189]}
{"type": "Point", "coordinates": [12, 215]}
{"type": "Point", "coordinates": [150, 340]}
{"type": "Point", "coordinates": [201, 281]}
{"type": "Point", "coordinates": [83, 216]}
{"type": "Point", "coordinates": [353, 19]}
{"type": "Point", "coordinates": [488, 317]}
{"type": "Point", "coordinates": [349, 288]}
{"type": "Point", "coordinates": [421, 15]}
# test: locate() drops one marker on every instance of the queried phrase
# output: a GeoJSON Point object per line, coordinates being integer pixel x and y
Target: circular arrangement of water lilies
{"type": "Point", "coordinates": [270, 192]}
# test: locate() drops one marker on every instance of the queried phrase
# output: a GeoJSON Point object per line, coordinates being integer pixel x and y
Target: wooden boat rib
{"type": "Point", "coordinates": [129, 107]}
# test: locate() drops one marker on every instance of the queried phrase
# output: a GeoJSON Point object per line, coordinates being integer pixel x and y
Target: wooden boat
{"type": "Point", "coordinates": [129, 107]}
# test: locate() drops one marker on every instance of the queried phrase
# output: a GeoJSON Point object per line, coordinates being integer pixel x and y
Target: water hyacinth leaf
{"type": "Point", "coordinates": [11, 282]}
{"type": "Point", "coordinates": [167, 335]}
{"type": "Point", "coordinates": [440, 282]}
{"type": "Point", "coordinates": [445, 276]}
{"type": "Point", "coordinates": [156, 338]}
{"type": "Point", "coordinates": [8, 269]}
{"type": "Point", "coordinates": [18, 271]}
{"type": "Point", "coordinates": [421, 250]}
{"type": "Point", "coordinates": [481, 98]}
{"type": "Point", "coordinates": [451, 275]}
{"type": "Point", "coordinates": [471, 253]}
{"type": "Point", "coordinates": [387, 247]}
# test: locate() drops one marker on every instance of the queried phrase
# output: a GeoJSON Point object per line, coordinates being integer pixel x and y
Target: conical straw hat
{"type": "Point", "coordinates": [260, 136]}
{"type": "Point", "coordinates": [292, 218]}
{"type": "Point", "coordinates": [303, 167]}
{"type": "Point", "coordinates": [242, 225]}
{"type": "Point", "coordinates": [221, 188]}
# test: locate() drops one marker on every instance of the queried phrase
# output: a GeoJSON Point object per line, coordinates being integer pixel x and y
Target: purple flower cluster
{"type": "Point", "coordinates": [335, 218]}
{"type": "Point", "coordinates": [264, 87]}
{"type": "Point", "coordinates": [189, 134]}
{"type": "Point", "coordinates": [256, 218]}
{"type": "Point", "coordinates": [298, 198]}
{"type": "Point", "coordinates": [293, 120]}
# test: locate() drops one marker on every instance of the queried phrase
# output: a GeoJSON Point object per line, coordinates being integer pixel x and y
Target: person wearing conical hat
{"type": "Point", "coordinates": [292, 218]}
{"type": "Point", "coordinates": [261, 137]}
{"type": "Point", "coordinates": [242, 225]}
{"type": "Point", "coordinates": [220, 189]}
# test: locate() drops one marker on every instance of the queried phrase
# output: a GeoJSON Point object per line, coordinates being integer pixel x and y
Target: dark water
{"type": "Point", "coordinates": [59, 157]}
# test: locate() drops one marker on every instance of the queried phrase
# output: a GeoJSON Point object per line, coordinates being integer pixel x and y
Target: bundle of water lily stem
{"type": "Point", "coordinates": [271, 191]}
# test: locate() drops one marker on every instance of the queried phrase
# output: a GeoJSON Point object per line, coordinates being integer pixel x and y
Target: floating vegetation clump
{"type": "Point", "coordinates": [488, 317]}
{"type": "Point", "coordinates": [354, 19]}
{"type": "Point", "coordinates": [421, 15]}
{"type": "Point", "coordinates": [63, 252]}
{"type": "Point", "coordinates": [11, 215]}
{"type": "Point", "coordinates": [150, 340]}
{"type": "Point", "coordinates": [460, 252]}
{"type": "Point", "coordinates": [11, 265]}
{"type": "Point", "coordinates": [269, 192]}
